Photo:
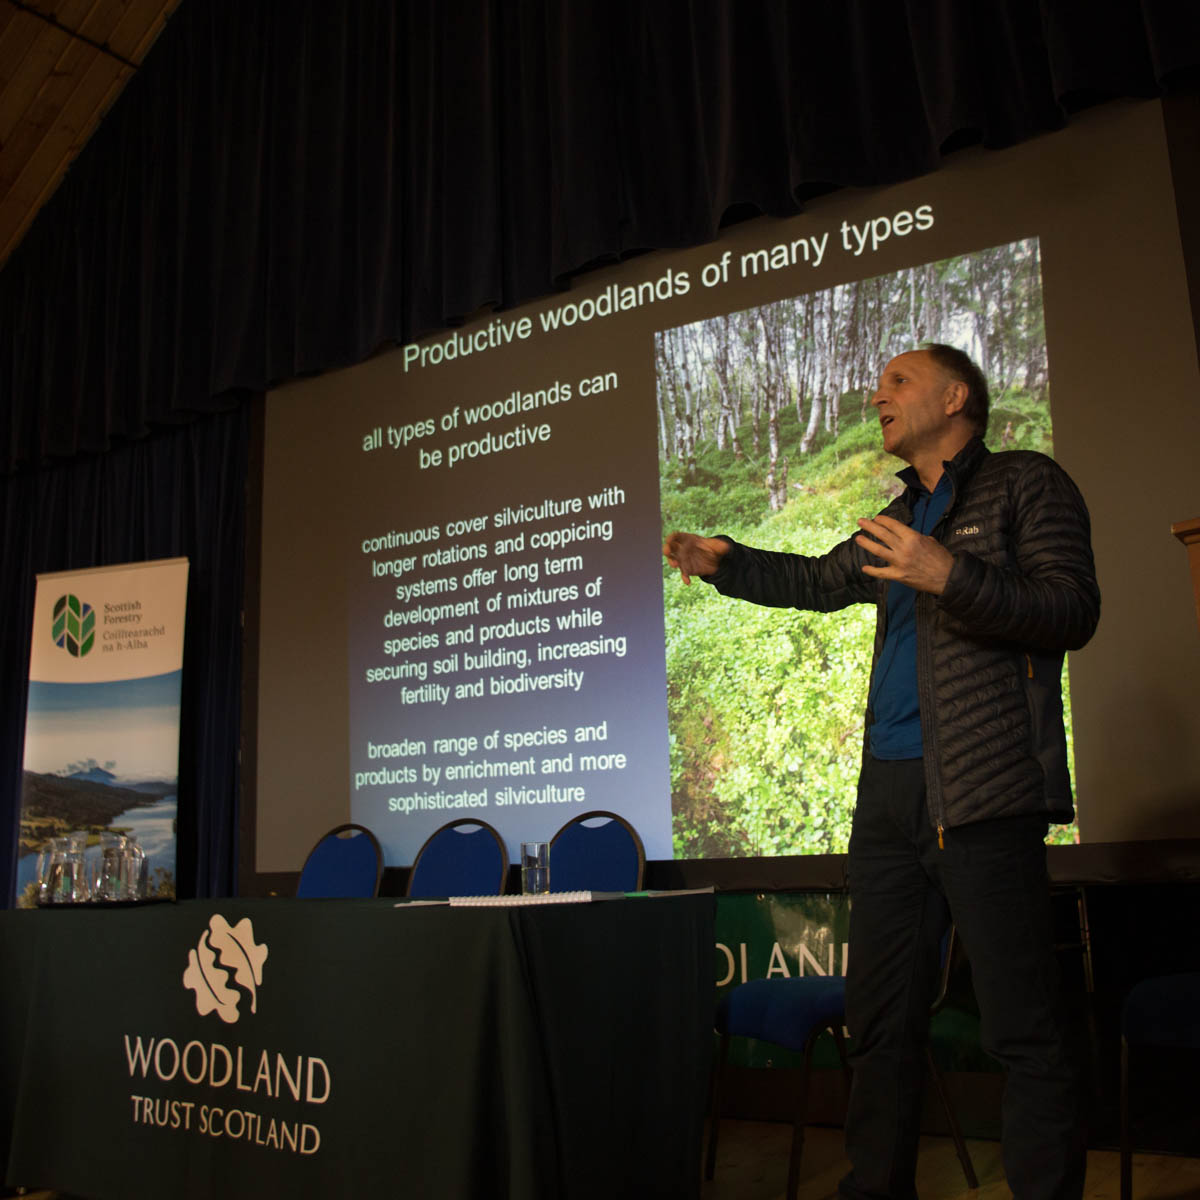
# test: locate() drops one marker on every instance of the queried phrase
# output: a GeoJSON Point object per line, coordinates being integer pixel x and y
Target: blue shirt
{"type": "Point", "coordinates": [896, 730]}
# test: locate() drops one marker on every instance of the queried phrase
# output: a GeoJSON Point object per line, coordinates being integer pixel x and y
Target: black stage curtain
{"type": "Point", "coordinates": [177, 494]}
{"type": "Point", "coordinates": [287, 186]}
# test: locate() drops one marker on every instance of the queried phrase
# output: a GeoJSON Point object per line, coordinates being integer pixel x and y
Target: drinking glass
{"type": "Point", "coordinates": [62, 873]}
{"type": "Point", "coordinates": [535, 868]}
{"type": "Point", "coordinates": [134, 869]}
{"type": "Point", "coordinates": [77, 891]}
{"type": "Point", "coordinates": [49, 868]}
{"type": "Point", "coordinates": [110, 869]}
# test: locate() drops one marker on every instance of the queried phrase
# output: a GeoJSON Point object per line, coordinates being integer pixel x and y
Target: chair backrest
{"type": "Point", "coordinates": [346, 862]}
{"type": "Point", "coordinates": [597, 851]}
{"type": "Point", "coordinates": [462, 858]}
{"type": "Point", "coordinates": [1163, 1010]}
{"type": "Point", "coordinates": [786, 1011]}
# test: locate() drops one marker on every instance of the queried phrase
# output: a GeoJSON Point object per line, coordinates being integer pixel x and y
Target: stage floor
{"type": "Point", "coordinates": [752, 1165]}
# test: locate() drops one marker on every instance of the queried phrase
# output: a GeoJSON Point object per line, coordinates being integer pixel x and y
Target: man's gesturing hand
{"type": "Point", "coordinates": [910, 557]}
{"type": "Point", "coordinates": [694, 555]}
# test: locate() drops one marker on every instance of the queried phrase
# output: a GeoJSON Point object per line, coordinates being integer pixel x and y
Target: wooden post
{"type": "Point", "coordinates": [1188, 532]}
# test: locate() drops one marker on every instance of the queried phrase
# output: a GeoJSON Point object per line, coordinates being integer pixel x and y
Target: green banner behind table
{"type": "Point", "coordinates": [782, 935]}
{"type": "Point", "coordinates": [102, 726]}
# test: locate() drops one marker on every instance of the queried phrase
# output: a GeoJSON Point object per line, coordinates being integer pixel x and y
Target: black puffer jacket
{"type": "Point", "coordinates": [1022, 591]}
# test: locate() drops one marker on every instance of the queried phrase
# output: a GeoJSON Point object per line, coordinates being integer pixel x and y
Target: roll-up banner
{"type": "Point", "coordinates": [102, 725]}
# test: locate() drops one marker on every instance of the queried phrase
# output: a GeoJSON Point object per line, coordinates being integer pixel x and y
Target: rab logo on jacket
{"type": "Point", "coordinates": [966, 530]}
{"type": "Point", "coordinates": [225, 950]}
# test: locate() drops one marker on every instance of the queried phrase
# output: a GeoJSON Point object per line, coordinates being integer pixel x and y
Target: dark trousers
{"type": "Point", "coordinates": [990, 879]}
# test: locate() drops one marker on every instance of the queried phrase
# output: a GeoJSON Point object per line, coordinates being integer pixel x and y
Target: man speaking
{"type": "Point", "coordinates": [982, 577]}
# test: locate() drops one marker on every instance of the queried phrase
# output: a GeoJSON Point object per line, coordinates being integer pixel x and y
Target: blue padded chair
{"type": "Point", "coordinates": [346, 863]}
{"type": "Point", "coordinates": [462, 858]}
{"type": "Point", "coordinates": [1163, 1011]}
{"type": "Point", "coordinates": [597, 851]}
{"type": "Point", "coordinates": [793, 1013]}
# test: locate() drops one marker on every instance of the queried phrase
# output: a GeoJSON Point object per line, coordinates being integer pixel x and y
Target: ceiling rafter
{"type": "Point", "coordinates": [62, 65]}
{"type": "Point", "coordinates": [55, 23]}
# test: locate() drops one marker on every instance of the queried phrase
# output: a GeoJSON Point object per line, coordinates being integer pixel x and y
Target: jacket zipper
{"type": "Point", "coordinates": [925, 691]}
{"type": "Point", "coordinates": [933, 778]}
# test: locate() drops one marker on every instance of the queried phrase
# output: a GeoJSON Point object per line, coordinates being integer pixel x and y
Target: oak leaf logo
{"type": "Point", "coordinates": [223, 950]}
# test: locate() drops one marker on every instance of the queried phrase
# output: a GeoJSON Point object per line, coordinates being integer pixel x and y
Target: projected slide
{"type": "Point", "coordinates": [509, 655]}
{"type": "Point", "coordinates": [463, 609]}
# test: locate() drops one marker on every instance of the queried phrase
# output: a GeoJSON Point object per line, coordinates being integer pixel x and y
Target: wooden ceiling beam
{"type": "Point", "coordinates": [58, 78]}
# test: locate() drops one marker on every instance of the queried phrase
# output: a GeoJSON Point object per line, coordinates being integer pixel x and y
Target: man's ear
{"type": "Point", "coordinates": [956, 397]}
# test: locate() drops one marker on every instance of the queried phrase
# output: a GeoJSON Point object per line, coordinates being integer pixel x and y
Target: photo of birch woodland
{"type": "Point", "coordinates": [767, 434]}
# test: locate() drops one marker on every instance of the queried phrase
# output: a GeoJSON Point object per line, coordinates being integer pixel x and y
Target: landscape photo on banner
{"type": "Point", "coordinates": [102, 725]}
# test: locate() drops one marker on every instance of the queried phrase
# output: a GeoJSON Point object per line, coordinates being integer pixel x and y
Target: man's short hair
{"type": "Point", "coordinates": [961, 367]}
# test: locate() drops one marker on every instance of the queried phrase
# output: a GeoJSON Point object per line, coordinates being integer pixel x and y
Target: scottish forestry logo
{"type": "Point", "coordinates": [225, 952]}
{"type": "Point", "coordinates": [74, 626]}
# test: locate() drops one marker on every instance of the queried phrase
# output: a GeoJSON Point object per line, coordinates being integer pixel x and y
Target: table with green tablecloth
{"type": "Point", "coordinates": [270, 1047]}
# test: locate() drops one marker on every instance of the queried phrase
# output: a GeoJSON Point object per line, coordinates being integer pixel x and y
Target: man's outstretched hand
{"type": "Point", "coordinates": [909, 557]}
{"type": "Point", "coordinates": [694, 555]}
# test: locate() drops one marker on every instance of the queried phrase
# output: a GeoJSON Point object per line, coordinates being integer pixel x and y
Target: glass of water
{"type": "Point", "coordinates": [62, 871]}
{"type": "Point", "coordinates": [535, 868]}
{"type": "Point", "coordinates": [107, 868]}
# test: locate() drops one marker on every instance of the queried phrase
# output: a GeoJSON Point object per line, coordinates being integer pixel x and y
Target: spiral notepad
{"type": "Point", "coordinates": [533, 898]}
